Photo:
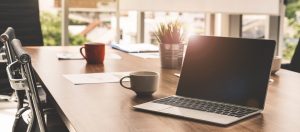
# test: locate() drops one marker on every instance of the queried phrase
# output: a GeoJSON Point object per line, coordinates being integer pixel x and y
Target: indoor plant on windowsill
{"type": "Point", "coordinates": [170, 37]}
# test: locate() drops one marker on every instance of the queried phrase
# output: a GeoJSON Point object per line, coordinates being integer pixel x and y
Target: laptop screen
{"type": "Point", "coordinates": [228, 70]}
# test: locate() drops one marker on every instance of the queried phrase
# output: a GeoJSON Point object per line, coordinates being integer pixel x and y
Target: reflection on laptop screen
{"type": "Point", "coordinates": [227, 70]}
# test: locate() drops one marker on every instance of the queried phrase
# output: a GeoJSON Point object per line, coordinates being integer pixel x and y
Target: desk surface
{"type": "Point", "coordinates": [108, 107]}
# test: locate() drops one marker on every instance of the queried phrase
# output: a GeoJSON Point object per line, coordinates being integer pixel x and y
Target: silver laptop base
{"type": "Point", "coordinates": [192, 113]}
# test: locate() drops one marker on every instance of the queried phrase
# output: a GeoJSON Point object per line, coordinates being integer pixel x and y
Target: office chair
{"type": "Point", "coordinates": [6, 54]}
{"type": "Point", "coordinates": [295, 62]}
{"type": "Point", "coordinates": [23, 16]}
{"type": "Point", "coordinates": [6, 39]}
{"type": "Point", "coordinates": [28, 81]}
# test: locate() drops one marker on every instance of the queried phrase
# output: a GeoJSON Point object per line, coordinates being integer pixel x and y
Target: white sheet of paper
{"type": "Point", "coordinates": [146, 55]}
{"type": "Point", "coordinates": [135, 48]}
{"type": "Point", "coordinates": [69, 56]}
{"type": "Point", "coordinates": [91, 78]}
{"type": "Point", "coordinates": [77, 56]}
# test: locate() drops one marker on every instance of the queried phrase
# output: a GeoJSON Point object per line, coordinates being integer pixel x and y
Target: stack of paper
{"type": "Point", "coordinates": [78, 56]}
{"type": "Point", "coordinates": [136, 48]}
{"type": "Point", "coordinates": [91, 78]}
{"type": "Point", "coordinates": [146, 55]}
{"type": "Point", "coordinates": [69, 56]}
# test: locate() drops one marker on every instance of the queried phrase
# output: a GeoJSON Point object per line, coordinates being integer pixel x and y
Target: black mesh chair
{"type": "Point", "coordinates": [29, 82]}
{"type": "Point", "coordinates": [295, 62]}
{"type": "Point", "coordinates": [23, 16]}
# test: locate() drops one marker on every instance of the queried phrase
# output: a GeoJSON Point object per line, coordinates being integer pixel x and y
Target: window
{"type": "Point", "coordinates": [254, 26]}
{"type": "Point", "coordinates": [89, 21]}
{"type": "Point", "coordinates": [291, 29]}
{"type": "Point", "coordinates": [194, 23]}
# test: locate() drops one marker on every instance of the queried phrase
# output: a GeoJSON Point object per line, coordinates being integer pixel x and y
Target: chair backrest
{"type": "Point", "coordinates": [295, 62]}
{"type": "Point", "coordinates": [27, 71]}
{"type": "Point", "coordinates": [23, 16]}
{"type": "Point", "coordinates": [6, 39]}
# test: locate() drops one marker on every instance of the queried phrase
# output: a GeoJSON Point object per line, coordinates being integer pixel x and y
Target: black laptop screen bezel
{"type": "Point", "coordinates": [195, 42]}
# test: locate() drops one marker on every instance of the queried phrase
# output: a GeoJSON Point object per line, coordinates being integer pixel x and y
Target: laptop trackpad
{"type": "Point", "coordinates": [152, 106]}
{"type": "Point", "coordinates": [200, 115]}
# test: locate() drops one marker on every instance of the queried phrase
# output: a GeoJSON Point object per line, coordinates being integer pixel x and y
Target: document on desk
{"type": "Point", "coordinates": [78, 56]}
{"type": "Point", "coordinates": [146, 55]}
{"type": "Point", "coordinates": [135, 48]}
{"type": "Point", "coordinates": [69, 56]}
{"type": "Point", "coordinates": [92, 78]}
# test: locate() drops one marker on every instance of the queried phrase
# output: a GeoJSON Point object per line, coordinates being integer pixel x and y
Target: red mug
{"type": "Point", "coordinates": [94, 53]}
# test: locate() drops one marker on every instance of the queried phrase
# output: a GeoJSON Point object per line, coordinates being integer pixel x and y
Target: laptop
{"type": "Point", "coordinates": [223, 80]}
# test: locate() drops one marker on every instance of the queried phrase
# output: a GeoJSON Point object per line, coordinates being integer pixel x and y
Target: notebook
{"type": "Point", "coordinates": [223, 80]}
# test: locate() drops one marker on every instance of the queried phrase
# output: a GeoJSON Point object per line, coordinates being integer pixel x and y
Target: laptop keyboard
{"type": "Point", "coordinates": [213, 107]}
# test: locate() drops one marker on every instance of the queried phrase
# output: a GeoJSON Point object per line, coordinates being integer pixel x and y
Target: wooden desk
{"type": "Point", "coordinates": [108, 107]}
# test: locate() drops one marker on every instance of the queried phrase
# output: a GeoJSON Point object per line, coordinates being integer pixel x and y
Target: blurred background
{"type": "Point", "coordinates": [95, 21]}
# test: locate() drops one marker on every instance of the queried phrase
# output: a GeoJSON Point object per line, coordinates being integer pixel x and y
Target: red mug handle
{"type": "Point", "coordinates": [82, 53]}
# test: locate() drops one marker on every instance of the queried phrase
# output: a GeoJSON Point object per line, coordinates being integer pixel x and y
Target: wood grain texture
{"type": "Point", "coordinates": [108, 107]}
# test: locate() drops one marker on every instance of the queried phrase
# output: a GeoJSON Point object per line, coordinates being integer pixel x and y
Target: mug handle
{"type": "Point", "coordinates": [82, 53]}
{"type": "Point", "coordinates": [121, 82]}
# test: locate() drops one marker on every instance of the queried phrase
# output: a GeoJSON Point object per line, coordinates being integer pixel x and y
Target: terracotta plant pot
{"type": "Point", "coordinates": [171, 55]}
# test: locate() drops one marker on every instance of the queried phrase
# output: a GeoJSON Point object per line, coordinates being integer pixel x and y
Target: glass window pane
{"type": "Point", "coordinates": [254, 26]}
{"type": "Point", "coordinates": [50, 19]}
{"type": "Point", "coordinates": [91, 21]}
{"type": "Point", "coordinates": [95, 21]}
{"type": "Point", "coordinates": [291, 29]}
{"type": "Point", "coordinates": [193, 23]}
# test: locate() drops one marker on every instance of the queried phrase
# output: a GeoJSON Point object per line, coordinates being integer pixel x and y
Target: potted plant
{"type": "Point", "coordinates": [170, 37]}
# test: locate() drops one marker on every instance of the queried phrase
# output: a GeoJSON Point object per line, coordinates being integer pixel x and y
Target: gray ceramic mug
{"type": "Point", "coordinates": [143, 83]}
